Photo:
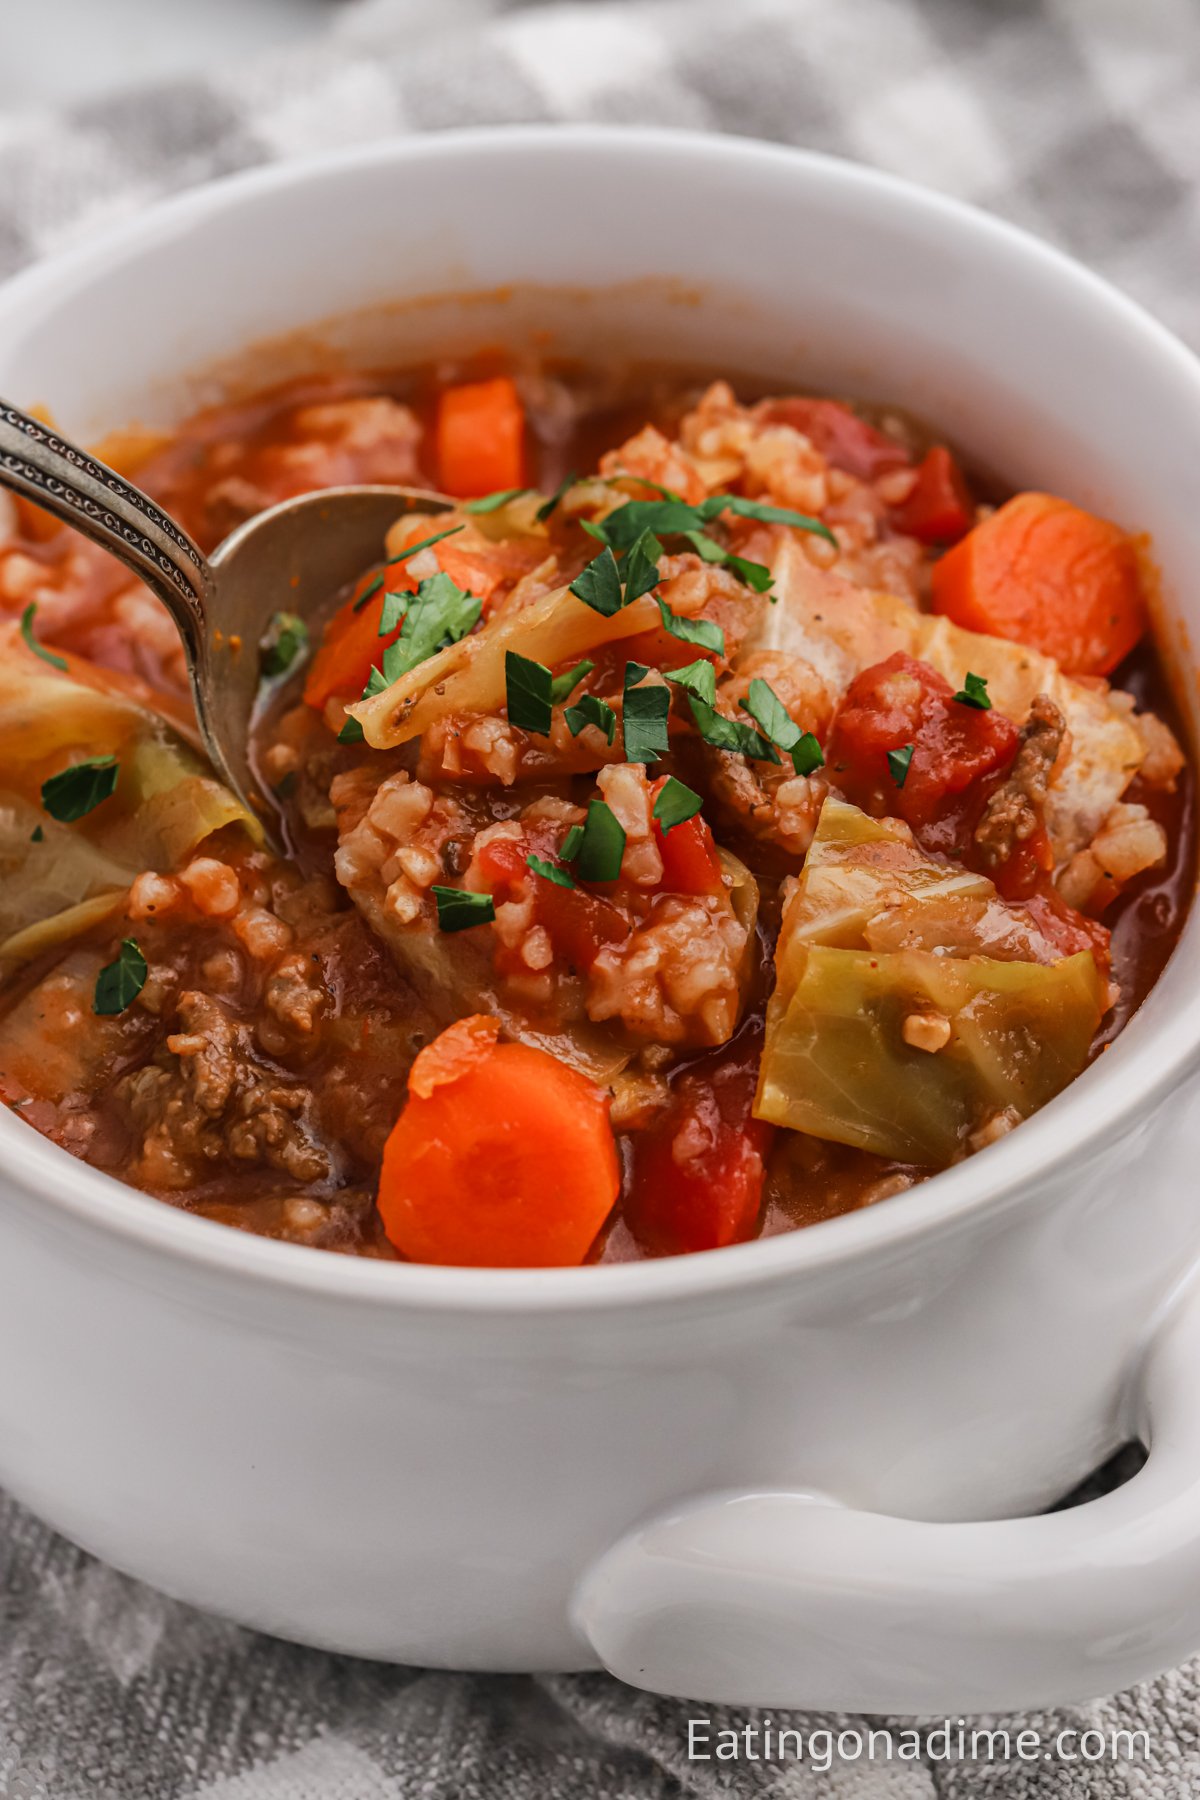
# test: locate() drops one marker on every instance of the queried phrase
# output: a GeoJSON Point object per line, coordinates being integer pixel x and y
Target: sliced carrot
{"type": "Point", "coordinates": [502, 1158]}
{"type": "Point", "coordinates": [1045, 573]}
{"type": "Point", "coordinates": [480, 438]}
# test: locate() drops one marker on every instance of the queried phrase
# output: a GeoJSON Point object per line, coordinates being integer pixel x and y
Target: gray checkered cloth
{"type": "Point", "coordinates": [1078, 118]}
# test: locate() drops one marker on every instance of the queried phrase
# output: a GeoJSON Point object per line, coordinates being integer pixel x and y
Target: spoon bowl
{"type": "Point", "coordinates": [292, 558]}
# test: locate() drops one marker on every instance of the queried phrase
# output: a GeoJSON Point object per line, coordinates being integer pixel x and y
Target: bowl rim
{"type": "Point", "coordinates": [1089, 1114]}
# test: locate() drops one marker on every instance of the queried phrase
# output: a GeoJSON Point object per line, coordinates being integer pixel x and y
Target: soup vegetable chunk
{"type": "Point", "coordinates": [723, 816]}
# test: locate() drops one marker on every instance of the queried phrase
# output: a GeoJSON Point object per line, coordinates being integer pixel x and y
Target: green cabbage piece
{"type": "Point", "coordinates": [836, 1063]}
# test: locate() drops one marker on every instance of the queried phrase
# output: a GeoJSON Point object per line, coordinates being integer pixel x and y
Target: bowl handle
{"type": "Point", "coordinates": [791, 1599]}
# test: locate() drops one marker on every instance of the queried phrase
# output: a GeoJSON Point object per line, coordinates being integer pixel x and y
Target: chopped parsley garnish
{"type": "Point", "coordinates": [699, 682]}
{"type": "Point", "coordinates": [644, 720]}
{"type": "Point", "coordinates": [459, 908]}
{"type": "Point", "coordinates": [36, 835]}
{"type": "Point", "coordinates": [898, 761]}
{"type": "Point", "coordinates": [548, 506]}
{"type": "Point", "coordinates": [693, 631]}
{"type": "Point", "coordinates": [676, 803]}
{"type": "Point", "coordinates": [766, 515]}
{"type": "Point", "coordinates": [373, 587]}
{"type": "Point", "coordinates": [698, 678]}
{"type": "Point", "coordinates": [755, 575]}
{"type": "Point", "coordinates": [47, 656]}
{"type": "Point", "coordinates": [351, 733]}
{"type": "Point", "coordinates": [490, 503]}
{"type": "Point", "coordinates": [394, 608]}
{"type": "Point", "coordinates": [550, 871]}
{"type": "Point", "coordinates": [974, 692]}
{"type": "Point", "coordinates": [564, 685]}
{"type": "Point", "coordinates": [600, 849]}
{"type": "Point", "coordinates": [599, 585]}
{"type": "Point", "coordinates": [772, 716]}
{"type": "Point", "coordinates": [80, 789]}
{"type": "Point", "coordinates": [119, 983]}
{"type": "Point", "coordinates": [439, 613]}
{"type": "Point", "coordinates": [674, 517]}
{"type": "Point", "coordinates": [807, 755]}
{"type": "Point", "coordinates": [528, 687]}
{"type": "Point", "coordinates": [569, 848]}
{"type": "Point", "coordinates": [591, 710]}
{"type": "Point", "coordinates": [729, 734]}
{"type": "Point", "coordinates": [285, 643]}
{"type": "Point", "coordinates": [639, 571]}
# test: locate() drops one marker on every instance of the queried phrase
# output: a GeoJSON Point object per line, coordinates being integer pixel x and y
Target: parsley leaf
{"type": "Point", "coordinates": [459, 908]}
{"type": "Point", "coordinates": [373, 587]}
{"type": "Point", "coordinates": [974, 692]}
{"type": "Point", "coordinates": [569, 848]}
{"type": "Point", "coordinates": [768, 711]}
{"type": "Point", "coordinates": [644, 721]}
{"type": "Point", "coordinates": [438, 613]}
{"type": "Point", "coordinates": [548, 506]}
{"type": "Point", "coordinates": [47, 656]}
{"type": "Point", "coordinates": [898, 761]}
{"type": "Point", "coordinates": [698, 678]}
{"type": "Point", "coordinates": [490, 503]}
{"type": "Point", "coordinates": [36, 835]}
{"type": "Point", "coordinates": [602, 845]}
{"type": "Point", "coordinates": [394, 608]}
{"type": "Point", "coordinates": [729, 734]}
{"type": "Point", "coordinates": [528, 690]}
{"type": "Point", "coordinates": [599, 586]}
{"type": "Point", "coordinates": [716, 504]}
{"type": "Point", "coordinates": [625, 524]}
{"type": "Point", "coordinates": [564, 685]}
{"type": "Point", "coordinates": [550, 871]}
{"type": "Point", "coordinates": [285, 642]}
{"type": "Point", "coordinates": [675, 804]}
{"type": "Point", "coordinates": [639, 571]}
{"type": "Point", "coordinates": [693, 631]}
{"type": "Point", "coordinates": [591, 710]}
{"type": "Point", "coordinates": [119, 983]}
{"type": "Point", "coordinates": [80, 789]}
{"type": "Point", "coordinates": [756, 575]}
{"type": "Point", "coordinates": [807, 755]}
{"type": "Point", "coordinates": [351, 733]}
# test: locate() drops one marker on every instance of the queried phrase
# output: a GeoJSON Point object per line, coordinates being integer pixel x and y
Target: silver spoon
{"type": "Point", "coordinates": [292, 558]}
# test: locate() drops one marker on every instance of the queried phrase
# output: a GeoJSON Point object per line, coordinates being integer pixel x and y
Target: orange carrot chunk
{"type": "Point", "coordinates": [1045, 573]}
{"type": "Point", "coordinates": [480, 438]}
{"type": "Point", "coordinates": [502, 1158]}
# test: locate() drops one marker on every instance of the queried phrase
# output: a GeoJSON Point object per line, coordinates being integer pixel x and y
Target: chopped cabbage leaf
{"type": "Point", "coordinates": [837, 1064]}
{"type": "Point", "coordinates": [843, 1057]}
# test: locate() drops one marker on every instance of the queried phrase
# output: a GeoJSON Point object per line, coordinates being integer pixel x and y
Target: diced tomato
{"type": "Point", "coordinates": [939, 509]}
{"type": "Point", "coordinates": [844, 439]}
{"type": "Point", "coordinates": [1071, 931]}
{"type": "Point", "coordinates": [697, 1170]}
{"type": "Point", "coordinates": [689, 855]}
{"type": "Point", "coordinates": [955, 749]}
{"type": "Point", "coordinates": [579, 922]}
{"type": "Point", "coordinates": [1027, 868]}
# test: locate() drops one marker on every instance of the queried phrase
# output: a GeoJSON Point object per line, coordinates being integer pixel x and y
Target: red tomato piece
{"type": "Point", "coordinates": [939, 509]}
{"type": "Point", "coordinates": [844, 439]}
{"type": "Point", "coordinates": [697, 1170]}
{"type": "Point", "coordinates": [955, 749]}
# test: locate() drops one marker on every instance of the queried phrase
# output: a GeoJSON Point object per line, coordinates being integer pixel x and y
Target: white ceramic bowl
{"type": "Point", "coordinates": [754, 1475]}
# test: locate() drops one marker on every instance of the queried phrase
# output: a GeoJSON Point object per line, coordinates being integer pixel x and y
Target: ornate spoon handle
{"type": "Point", "coordinates": [37, 462]}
